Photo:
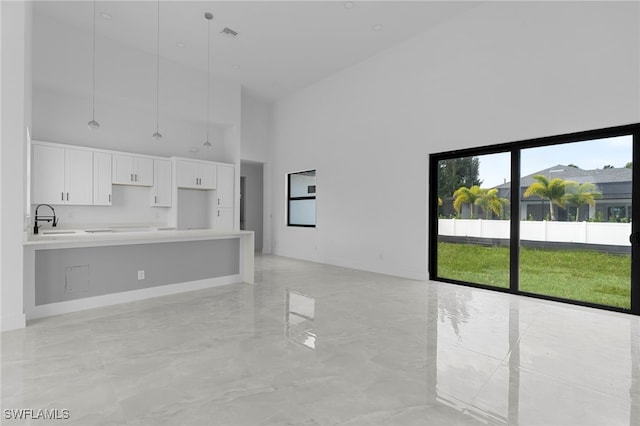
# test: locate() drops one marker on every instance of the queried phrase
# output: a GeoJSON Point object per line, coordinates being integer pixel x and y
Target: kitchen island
{"type": "Point", "coordinates": [68, 270]}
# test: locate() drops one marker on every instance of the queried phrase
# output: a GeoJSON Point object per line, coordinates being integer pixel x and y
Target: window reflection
{"type": "Point", "coordinates": [495, 374]}
{"type": "Point", "coordinates": [299, 318]}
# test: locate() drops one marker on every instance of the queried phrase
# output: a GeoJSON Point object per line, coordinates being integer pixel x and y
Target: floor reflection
{"type": "Point", "coordinates": [299, 318]}
{"type": "Point", "coordinates": [485, 361]}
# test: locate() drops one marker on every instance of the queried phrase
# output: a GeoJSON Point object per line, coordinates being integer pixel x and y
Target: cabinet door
{"type": "Point", "coordinates": [143, 171]}
{"type": "Point", "coordinates": [225, 185]}
{"type": "Point", "coordinates": [101, 179]}
{"type": "Point", "coordinates": [161, 183]}
{"type": "Point", "coordinates": [224, 219]}
{"type": "Point", "coordinates": [187, 174]}
{"type": "Point", "coordinates": [78, 177]}
{"type": "Point", "coordinates": [122, 170]}
{"type": "Point", "coordinates": [47, 174]}
{"type": "Point", "coordinates": [207, 176]}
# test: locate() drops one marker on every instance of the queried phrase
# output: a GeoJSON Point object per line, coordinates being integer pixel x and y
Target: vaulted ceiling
{"type": "Point", "coordinates": [281, 46]}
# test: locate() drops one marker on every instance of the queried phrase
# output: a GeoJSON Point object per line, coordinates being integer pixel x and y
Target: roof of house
{"type": "Point", "coordinates": [576, 174]}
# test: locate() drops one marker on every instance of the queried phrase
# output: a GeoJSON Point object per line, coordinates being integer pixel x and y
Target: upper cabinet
{"type": "Point", "coordinates": [196, 175]}
{"type": "Point", "coordinates": [132, 170]}
{"type": "Point", "coordinates": [101, 179]}
{"type": "Point", "coordinates": [225, 185]}
{"type": "Point", "coordinates": [161, 191]}
{"type": "Point", "coordinates": [62, 175]}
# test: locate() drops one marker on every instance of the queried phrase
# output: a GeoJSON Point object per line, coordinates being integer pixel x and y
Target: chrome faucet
{"type": "Point", "coordinates": [37, 218]}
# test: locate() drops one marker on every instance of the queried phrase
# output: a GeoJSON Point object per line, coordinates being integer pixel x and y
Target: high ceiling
{"type": "Point", "coordinates": [281, 47]}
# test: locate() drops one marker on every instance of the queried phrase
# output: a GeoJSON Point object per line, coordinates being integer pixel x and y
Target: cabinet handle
{"type": "Point", "coordinates": [136, 175]}
{"type": "Point", "coordinates": [67, 196]}
{"type": "Point", "coordinates": [131, 180]}
{"type": "Point", "coordinates": [218, 201]}
{"type": "Point", "coordinates": [155, 199]}
{"type": "Point", "coordinates": [62, 195]}
{"type": "Point", "coordinates": [109, 197]}
{"type": "Point", "coordinates": [196, 181]}
{"type": "Point", "coordinates": [218, 213]}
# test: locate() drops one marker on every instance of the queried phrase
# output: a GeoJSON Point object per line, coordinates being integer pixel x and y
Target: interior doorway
{"type": "Point", "coordinates": [251, 199]}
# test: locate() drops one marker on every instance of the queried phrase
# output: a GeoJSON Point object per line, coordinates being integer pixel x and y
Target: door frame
{"type": "Point", "coordinates": [514, 255]}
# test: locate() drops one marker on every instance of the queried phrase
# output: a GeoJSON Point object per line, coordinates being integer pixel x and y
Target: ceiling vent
{"type": "Point", "coordinates": [229, 32]}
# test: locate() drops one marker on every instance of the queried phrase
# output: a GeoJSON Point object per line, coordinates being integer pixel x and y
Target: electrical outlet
{"type": "Point", "coordinates": [141, 275]}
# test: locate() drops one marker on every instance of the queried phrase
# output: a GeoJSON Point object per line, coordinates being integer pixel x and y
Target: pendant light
{"type": "Point", "coordinates": [208, 16]}
{"type": "Point", "coordinates": [93, 124]}
{"type": "Point", "coordinates": [157, 135]}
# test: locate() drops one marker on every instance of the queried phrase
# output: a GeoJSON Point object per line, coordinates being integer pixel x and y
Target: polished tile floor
{"type": "Point", "coordinates": [313, 344]}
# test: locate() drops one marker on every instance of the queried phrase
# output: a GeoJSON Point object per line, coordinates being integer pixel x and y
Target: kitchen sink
{"type": "Point", "coordinates": [132, 229]}
{"type": "Point", "coordinates": [58, 232]}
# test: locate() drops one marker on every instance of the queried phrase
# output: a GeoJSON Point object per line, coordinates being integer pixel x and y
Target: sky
{"type": "Point", "coordinates": [588, 155]}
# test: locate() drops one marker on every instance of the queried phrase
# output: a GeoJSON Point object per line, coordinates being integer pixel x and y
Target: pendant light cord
{"type": "Point", "coordinates": [158, 72]}
{"type": "Point", "coordinates": [93, 101]}
{"type": "Point", "coordinates": [208, 73]}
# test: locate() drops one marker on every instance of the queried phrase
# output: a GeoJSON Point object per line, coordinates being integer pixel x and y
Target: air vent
{"type": "Point", "coordinates": [229, 32]}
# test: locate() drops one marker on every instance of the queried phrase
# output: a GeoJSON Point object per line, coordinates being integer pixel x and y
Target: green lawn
{"type": "Point", "coordinates": [571, 274]}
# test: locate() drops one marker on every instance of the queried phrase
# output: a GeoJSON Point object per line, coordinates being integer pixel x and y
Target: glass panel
{"type": "Point", "coordinates": [302, 212]}
{"type": "Point", "coordinates": [473, 219]}
{"type": "Point", "coordinates": [575, 213]}
{"type": "Point", "coordinates": [303, 184]}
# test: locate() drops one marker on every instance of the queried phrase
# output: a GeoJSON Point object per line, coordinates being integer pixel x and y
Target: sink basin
{"type": "Point", "coordinates": [131, 229]}
{"type": "Point", "coordinates": [58, 232]}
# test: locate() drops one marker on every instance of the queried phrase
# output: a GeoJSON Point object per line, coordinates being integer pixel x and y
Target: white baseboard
{"type": "Point", "coordinates": [126, 296]}
{"type": "Point", "coordinates": [13, 322]}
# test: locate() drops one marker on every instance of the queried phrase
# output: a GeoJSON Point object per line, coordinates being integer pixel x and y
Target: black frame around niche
{"type": "Point", "coordinates": [290, 198]}
{"type": "Point", "coordinates": [514, 149]}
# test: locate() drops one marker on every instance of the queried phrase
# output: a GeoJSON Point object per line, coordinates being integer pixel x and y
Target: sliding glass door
{"type": "Point", "coordinates": [575, 221]}
{"type": "Point", "coordinates": [550, 218]}
{"type": "Point", "coordinates": [473, 219]}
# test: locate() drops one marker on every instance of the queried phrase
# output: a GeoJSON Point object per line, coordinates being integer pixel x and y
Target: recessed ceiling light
{"type": "Point", "coordinates": [193, 149]}
{"type": "Point", "coordinates": [105, 15]}
{"type": "Point", "coordinates": [180, 45]}
{"type": "Point", "coordinates": [236, 66]}
{"type": "Point", "coordinates": [349, 4]}
{"type": "Point", "coordinates": [377, 27]}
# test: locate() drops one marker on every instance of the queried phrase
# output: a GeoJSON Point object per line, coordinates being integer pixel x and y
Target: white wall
{"type": "Point", "coordinates": [255, 128]}
{"type": "Point", "coordinates": [126, 98]}
{"type": "Point", "coordinates": [15, 113]}
{"type": "Point", "coordinates": [500, 72]}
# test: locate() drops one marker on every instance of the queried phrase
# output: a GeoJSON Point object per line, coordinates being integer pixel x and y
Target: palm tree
{"type": "Point", "coordinates": [552, 190]}
{"type": "Point", "coordinates": [579, 195]}
{"type": "Point", "coordinates": [490, 202]}
{"type": "Point", "coordinates": [464, 195]}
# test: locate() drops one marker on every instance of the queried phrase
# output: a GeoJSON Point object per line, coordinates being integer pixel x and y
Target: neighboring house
{"type": "Point", "coordinates": [614, 184]}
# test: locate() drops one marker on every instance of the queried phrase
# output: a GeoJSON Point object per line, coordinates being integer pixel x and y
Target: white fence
{"type": "Point", "coordinates": [616, 234]}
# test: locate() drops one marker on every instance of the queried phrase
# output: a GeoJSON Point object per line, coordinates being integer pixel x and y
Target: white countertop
{"type": "Point", "coordinates": [51, 238]}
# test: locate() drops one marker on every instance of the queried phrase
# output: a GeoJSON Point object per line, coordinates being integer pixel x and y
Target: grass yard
{"type": "Point", "coordinates": [571, 274]}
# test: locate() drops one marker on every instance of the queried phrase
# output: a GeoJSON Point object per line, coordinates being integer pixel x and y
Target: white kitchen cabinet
{"type": "Point", "coordinates": [101, 179]}
{"type": "Point", "coordinates": [225, 185]}
{"type": "Point", "coordinates": [132, 170]}
{"type": "Point", "coordinates": [223, 220]}
{"type": "Point", "coordinates": [161, 191]}
{"type": "Point", "coordinates": [62, 175]}
{"type": "Point", "coordinates": [196, 175]}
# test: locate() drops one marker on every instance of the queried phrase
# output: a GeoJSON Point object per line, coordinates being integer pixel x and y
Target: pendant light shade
{"type": "Point", "coordinates": [93, 124]}
{"type": "Point", "coordinates": [157, 135]}
{"type": "Point", "coordinates": [208, 16]}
